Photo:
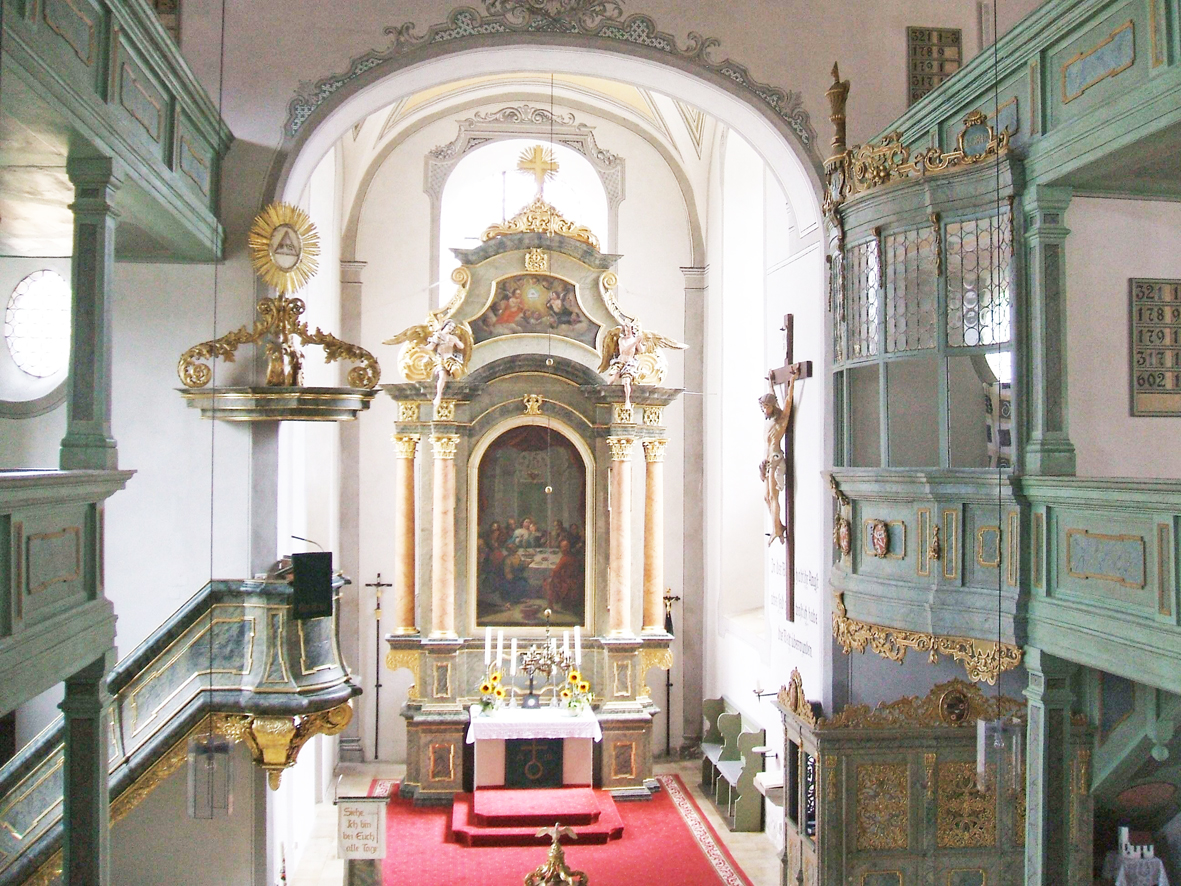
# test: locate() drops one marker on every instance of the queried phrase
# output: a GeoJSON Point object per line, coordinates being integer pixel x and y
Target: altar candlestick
{"type": "Point", "coordinates": [488, 645]}
{"type": "Point", "coordinates": [499, 648]}
{"type": "Point", "coordinates": [565, 642]}
{"type": "Point", "coordinates": [512, 658]}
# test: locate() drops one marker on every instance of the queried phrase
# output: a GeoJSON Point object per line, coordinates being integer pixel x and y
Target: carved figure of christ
{"type": "Point", "coordinates": [784, 426]}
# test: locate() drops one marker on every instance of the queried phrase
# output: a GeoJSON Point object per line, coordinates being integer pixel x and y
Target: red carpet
{"type": "Point", "coordinates": [666, 842]}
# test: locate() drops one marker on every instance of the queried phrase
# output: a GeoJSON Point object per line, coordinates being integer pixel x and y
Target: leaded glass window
{"type": "Point", "coordinates": [836, 295]}
{"type": "Point", "coordinates": [37, 324]}
{"type": "Point", "coordinates": [865, 279]}
{"type": "Point", "coordinates": [910, 269]}
{"type": "Point", "coordinates": [979, 281]}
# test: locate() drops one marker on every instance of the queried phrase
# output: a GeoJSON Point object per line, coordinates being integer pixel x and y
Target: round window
{"type": "Point", "coordinates": [37, 324]}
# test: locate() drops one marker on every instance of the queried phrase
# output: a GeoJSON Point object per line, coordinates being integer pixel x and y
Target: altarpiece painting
{"type": "Point", "coordinates": [538, 304]}
{"type": "Point", "coordinates": [530, 545]}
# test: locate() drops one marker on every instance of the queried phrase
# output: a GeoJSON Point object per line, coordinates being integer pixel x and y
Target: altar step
{"type": "Point", "coordinates": [501, 817]}
{"type": "Point", "coordinates": [508, 807]}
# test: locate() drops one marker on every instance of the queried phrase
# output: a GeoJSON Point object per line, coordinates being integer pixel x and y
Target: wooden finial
{"type": "Point", "coordinates": [837, 94]}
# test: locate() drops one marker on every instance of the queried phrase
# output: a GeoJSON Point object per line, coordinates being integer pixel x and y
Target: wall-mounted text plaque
{"type": "Point", "coordinates": [1156, 346]}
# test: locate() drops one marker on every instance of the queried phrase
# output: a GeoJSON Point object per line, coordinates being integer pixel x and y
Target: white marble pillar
{"type": "Point", "coordinates": [654, 536]}
{"type": "Point", "coordinates": [619, 595]}
{"type": "Point", "coordinates": [406, 446]}
{"type": "Point", "coordinates": [443, 537]}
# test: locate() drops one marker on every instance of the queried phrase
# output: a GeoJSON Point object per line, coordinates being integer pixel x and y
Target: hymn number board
{"type": "Point", "coordinates": [1156, 347]}
{"type": "Point", "coordinates": [932, 55]}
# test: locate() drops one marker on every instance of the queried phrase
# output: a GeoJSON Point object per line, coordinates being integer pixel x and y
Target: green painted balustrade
{"type": "Point", "coordinates": [103, 78]}
{"type": "Point", "coordinates": [232, 653]}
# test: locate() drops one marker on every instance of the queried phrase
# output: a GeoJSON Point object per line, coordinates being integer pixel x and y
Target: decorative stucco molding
{"type": "Point", "coordinates": [594, 19]}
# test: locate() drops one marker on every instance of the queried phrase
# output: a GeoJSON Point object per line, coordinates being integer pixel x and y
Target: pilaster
{"type": "Point", "coordinates": [1048, 765]}
{"type": "Point", "coordinates": [406, 450]}
{"type": "Point", "coordinates": [619, 599]}
{"type": "Point", "coordinates": [86, 804]}
{"type": "Point", "coordinates": [654, 536]}
{"type": "Point", "coordinates": [443, 536]}
{"type": "Point", "coordinates": [88, 444]}
{"type": "Point", "coordinates": [1048, 449]}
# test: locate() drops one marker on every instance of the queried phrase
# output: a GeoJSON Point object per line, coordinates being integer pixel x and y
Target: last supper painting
{"type": "Point", "coordinates": [530, 541]}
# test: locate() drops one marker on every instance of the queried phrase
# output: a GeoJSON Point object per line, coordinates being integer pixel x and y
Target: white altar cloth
{"type": "Point", "coordinates": [1141, 872]}
{"type": "Point", "coordinates": [544, 722]}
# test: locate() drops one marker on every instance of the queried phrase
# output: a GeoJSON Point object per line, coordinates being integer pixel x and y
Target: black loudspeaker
{"type": "Point", "coordinates": [311, 584]}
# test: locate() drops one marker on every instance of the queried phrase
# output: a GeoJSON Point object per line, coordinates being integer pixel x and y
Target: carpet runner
{"type": "Point", "coordinates": [666, 841]}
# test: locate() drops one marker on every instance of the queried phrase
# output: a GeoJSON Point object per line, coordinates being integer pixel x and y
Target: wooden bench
{"type": "Point", "coordinates": [729, 764]}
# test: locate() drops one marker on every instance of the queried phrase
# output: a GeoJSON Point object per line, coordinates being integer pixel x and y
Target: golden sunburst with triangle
{"type": "Point", "coordinates": [284, 247]}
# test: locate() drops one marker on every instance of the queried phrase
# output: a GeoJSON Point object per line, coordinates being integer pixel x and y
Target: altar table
{"type": "Point", "coordinates": [489, 731]}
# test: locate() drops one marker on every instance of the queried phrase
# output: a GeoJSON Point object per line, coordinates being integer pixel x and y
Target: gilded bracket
{"type": "Point", "coordinates": [654, 658]}
{"type": "Point", "coordinates": [275, 742]}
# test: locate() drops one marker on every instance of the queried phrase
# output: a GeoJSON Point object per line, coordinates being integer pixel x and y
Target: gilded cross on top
{"type": "Point", "coordinates": [540, 163]}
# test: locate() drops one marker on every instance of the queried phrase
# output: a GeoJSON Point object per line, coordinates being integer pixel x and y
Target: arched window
{"type": "Point", "coordinates": [487, 187]}
{"type": "Point", "coordinates": [37, 324]}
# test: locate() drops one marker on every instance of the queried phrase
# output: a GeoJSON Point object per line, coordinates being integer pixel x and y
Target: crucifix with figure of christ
{"type": "Point", "coordinates": [776, 468]}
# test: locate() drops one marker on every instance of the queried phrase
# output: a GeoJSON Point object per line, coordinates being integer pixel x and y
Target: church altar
{"type": "Point", "coordinates": [489, 730]}
{"type": "Point", "coordinates": [535, 390]}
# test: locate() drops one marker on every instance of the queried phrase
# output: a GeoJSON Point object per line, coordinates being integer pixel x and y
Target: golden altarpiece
{"type": "Point", "coordinates": [530, 398]}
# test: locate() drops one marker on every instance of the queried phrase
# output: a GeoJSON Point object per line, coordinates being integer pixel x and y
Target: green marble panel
{"type": "Point", "coordinates": [967, 877]}
{"type": "Point", "coordinates": [1106, 60]}
{"type": "Point", "coordinates": [882, 878]}
{"type": "Point", "coordinates": [1109, 558]}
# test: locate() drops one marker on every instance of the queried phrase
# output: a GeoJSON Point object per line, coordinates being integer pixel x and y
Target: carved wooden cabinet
{"type": "Point", "coordinates": [889, 797]}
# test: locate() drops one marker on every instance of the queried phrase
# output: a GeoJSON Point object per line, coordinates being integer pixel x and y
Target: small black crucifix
{"type": "Point", "coordinates": [777, 471]}
{"type": "Point", "coordinates": [377, 587]}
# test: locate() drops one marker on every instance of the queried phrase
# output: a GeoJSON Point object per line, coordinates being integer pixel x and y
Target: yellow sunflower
{"type": "Point", "coordinates": [485, 688]}
{"type": "Point", "coordinates": [565, 693]}
{"type": "Point", "coordinates": [584, 686]}
{"type": "Point", "coordinates": [499, 691]}
{"type": "Point", "coordinates": [573, 677]}
{"type": "Point", "coordinates": [495, 677]}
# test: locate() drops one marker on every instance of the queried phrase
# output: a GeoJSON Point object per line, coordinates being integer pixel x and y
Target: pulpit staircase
{"type": "Point", "coordinates": [259, 667]}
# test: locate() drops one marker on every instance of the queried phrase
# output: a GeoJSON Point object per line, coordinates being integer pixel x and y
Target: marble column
{"type": "Point", "coordinates": [443, 537]}
{"type": "Point", "coordinates": [88, 443]}
{"type": "Point", "coordinates": [1047, 770]}
{"type": "Point", "coordinates": [619, 594]}
{"type": "Point", "coordinates": [406, 446]}
{"type": "Point", "coordinates": [1048, 449]}
{"type": "Point", "coordinates": [86, 849]}
{"type": "Point", "coordinates": [654, 537]}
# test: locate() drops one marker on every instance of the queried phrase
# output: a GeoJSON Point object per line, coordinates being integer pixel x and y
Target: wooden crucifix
{"type": "Point", "coordinates": [776, 469]}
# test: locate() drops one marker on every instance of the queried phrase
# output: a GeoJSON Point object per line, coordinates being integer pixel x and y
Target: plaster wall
{"type": "Point", "coordinates": [1110, 242]}
{"type": "Point", "coordinates": [158, 843]}
{"type": "Point", "coordinates": [291, 809]}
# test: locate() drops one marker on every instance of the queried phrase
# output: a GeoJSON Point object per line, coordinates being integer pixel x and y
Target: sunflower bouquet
{"type": "Point", "coordinates": [492, 691]}
{"type": "Point", "coordinates": [576, 692]}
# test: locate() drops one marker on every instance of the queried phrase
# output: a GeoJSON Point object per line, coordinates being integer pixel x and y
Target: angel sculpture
{"type": "Point", "coordinates": [439, 350]}
{"type": "Point", "coordinates": [630, 355]}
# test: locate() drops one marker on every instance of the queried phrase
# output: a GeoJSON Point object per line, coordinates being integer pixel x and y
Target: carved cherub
{"type": "Point", "coordinates": [439, 349]}
{"type": "Point", "coordinates": [631, 355]}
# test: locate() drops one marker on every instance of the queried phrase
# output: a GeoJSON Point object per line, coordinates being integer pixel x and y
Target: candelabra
{"type": "Point", "coordinates": [548, 661]}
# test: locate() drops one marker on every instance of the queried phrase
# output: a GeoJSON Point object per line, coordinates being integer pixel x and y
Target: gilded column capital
{"type": "Point", "coordinates": [406, 445]}
{"type": "Point", "coordinates": [621, 448]}
{"type": "Point", "coordinates": [653, 415]}
{"type": "Point", "coordinates": [654, 450]}
{"type": "Point", "coordinates": [408, 410]}
{"type": "Point", "coordinates": [623, 414]}
{"type": "Point", "coordinates": [444, 445]}
{"type": "Point", "coordinates": [445, 411]}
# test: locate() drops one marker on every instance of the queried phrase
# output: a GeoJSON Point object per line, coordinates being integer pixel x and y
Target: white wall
{"type": "Point", "coordinates": [1110, 242]}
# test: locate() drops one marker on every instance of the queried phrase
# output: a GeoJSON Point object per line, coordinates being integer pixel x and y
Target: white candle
{"type": "Point", "coordinates": [488, 645]}
{"type": "Point", "coordinates": [499, 648]}
{"type": "Point", "coordinates": [578, 645]}
{"type": "Point", "coordinates": [512, 659]}
{"type": "Point", "coordinates": [565, 642]}
{"type": "Point", "coordinates": [553, 644]}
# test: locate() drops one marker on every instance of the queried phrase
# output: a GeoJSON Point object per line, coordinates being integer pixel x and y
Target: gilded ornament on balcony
{"type": "Point", "coordinates": [984, 660]}
{"type": "Point", "coordinates": [879, 537]}
{"type": "Point", "coordinates": [793, 699]}
{"type": "Point", "coordinates": [284, 247]}
{"type": "Point", "coordinates": [275, 741]}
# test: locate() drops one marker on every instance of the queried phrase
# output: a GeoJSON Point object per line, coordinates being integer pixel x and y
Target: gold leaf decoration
{"type": "Point", "coordinates": [540, 217]}
{"type": "Point", "coordinates": [284, 247]}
